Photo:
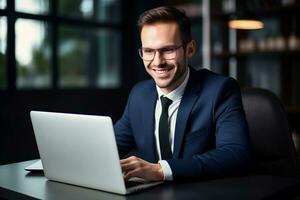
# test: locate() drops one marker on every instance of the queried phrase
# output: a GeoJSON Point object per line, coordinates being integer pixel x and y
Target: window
{"type": "Point", "coordinates": [32, 6]}
{"type": "Point", "coordinates": [3, 25]}
{"type": "Point", "coordinates": [89, 58]}
{"type": "Point", "coordinates": [61, 44]}
{"type": "Point", "coordinates": [33, 54]}
{"type": "Point", "coordinates": [99, 10]}
{"type": "Point", "coordinates": [2, 4]}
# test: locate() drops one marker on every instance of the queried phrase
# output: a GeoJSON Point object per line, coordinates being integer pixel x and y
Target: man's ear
{"type": "Point", "coordinates": [191, 48]}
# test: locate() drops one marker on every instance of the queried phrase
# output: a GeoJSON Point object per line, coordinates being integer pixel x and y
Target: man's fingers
{"type": "Point", "coordinates": [136, 167]}
{"type": "Point", "coordinates": [132, 173]}
{"type": "Point", "coordinates": [132, 165]}
{"type": "Point", "coordinates": [124, 161]}
{"type": "Point", "coordinates": [129, 166]}
{"type": "Point", "coordinates": [129, 159]}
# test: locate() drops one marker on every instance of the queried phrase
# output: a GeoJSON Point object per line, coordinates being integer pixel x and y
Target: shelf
{"type": "Point", "coordinates": [272, 11]}
{"type": "Point", "coordinates": [254, 56]}
{"type": "Point", "coordinates": [257, 53]}
{"type": "Point", "coordinates": [278, 10]}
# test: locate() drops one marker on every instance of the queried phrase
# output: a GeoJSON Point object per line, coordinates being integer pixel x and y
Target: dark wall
{"type": "Point", "coordinates": [17, 142]}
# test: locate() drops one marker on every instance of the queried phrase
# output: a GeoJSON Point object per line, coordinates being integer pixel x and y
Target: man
{"type": "Point", "coordinates": [184, 123]}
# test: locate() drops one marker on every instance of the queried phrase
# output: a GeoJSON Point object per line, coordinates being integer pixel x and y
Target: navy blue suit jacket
{"type": "Point", "coordinates": [211, 134]}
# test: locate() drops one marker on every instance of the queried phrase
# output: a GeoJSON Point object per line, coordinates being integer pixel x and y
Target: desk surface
{"type": "Point", "coordinates": [16, 183]}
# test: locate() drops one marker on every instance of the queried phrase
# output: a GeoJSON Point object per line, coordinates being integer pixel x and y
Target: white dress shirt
{"type": "Point", "coordinates": [175, 96]}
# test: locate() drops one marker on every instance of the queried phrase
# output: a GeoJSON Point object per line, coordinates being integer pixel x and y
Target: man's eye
{"type": "Point", "coordinates": [148, 51]}
{"type": "Point", "coordinates": [167, 50]}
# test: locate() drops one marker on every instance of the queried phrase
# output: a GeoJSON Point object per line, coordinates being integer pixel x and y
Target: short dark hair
{"type": "Point", "coordinates": [168, 14]}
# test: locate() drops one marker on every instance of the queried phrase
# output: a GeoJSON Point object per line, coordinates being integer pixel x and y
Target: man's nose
{"type": "Point", "coordinates": [158, 59]}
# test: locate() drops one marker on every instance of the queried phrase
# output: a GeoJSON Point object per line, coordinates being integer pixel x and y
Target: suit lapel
{"type": "Point", "coordinates": [187, 102]}
{"type": "Point", "coordinates": [149, 116]}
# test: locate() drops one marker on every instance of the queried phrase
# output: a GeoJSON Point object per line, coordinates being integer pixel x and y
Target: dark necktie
{"type": "Point", "coordinates": [165, 147]}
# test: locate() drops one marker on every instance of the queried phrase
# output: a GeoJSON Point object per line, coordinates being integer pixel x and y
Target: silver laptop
{"type": "Point", "coordinates": [81, 150]}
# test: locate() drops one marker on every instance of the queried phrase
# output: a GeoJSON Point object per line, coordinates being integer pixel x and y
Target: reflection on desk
{"type": "Point", "coordinates": [16, 183]}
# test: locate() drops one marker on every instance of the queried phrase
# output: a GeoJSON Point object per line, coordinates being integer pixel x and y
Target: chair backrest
{"type": "Point", "coordinates": [272, 147]}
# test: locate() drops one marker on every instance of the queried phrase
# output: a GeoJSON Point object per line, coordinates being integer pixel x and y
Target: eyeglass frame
{"type": "Point", "coordinates": [160, 50]}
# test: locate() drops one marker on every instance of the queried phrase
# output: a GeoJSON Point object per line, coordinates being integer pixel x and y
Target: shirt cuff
{"type": "Point", "coordinates": [168, 176]}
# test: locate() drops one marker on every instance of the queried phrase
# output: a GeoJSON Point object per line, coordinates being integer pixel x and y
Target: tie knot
{"type": "Point", "coordinates": [165, 102]}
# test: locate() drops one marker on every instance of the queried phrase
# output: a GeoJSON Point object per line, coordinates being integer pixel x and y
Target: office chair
{"type": "Point", "coordinates": [272, 147]}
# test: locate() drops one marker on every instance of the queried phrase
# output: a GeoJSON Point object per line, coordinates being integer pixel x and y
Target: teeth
{"type": "Point", "coordinates": [161, 71]}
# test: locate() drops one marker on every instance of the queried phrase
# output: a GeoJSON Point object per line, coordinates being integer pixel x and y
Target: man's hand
{"type": "Point", "coordinates": [136, 167]}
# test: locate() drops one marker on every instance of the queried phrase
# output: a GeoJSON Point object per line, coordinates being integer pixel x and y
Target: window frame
{"type": "Point", "coordinates": [54, 21]}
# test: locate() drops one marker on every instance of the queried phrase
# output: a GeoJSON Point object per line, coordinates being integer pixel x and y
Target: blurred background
{"type": "Point", "coordinates": [80, 56]}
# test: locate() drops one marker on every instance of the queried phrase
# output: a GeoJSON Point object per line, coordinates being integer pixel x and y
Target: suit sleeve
{"type": "Point", "coordinates": [123, 131]}
{"type": "Point", "coordinates": [231, 152]}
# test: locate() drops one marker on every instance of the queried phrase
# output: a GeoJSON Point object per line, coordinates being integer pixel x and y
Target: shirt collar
{"type": "Point", "coordinates": [178, 92]}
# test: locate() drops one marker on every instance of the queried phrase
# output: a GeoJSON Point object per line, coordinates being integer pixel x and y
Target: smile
{"type": "Point", "coordinates": [162, 73]}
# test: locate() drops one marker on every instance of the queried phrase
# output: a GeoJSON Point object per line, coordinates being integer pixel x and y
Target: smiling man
{"type": "Point", "coordinates": [185, 124]}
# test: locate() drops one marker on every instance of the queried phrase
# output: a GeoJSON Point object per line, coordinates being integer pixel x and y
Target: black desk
{"type": "Point", "coordinates": [16, 183]}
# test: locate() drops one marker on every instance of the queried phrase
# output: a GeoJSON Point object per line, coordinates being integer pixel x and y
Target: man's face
{"type": "Point", "coordinates": [168, 74]}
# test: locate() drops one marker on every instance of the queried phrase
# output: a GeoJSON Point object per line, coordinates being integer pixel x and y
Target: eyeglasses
{"type": "Point", "coordinates": [167, 53]}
